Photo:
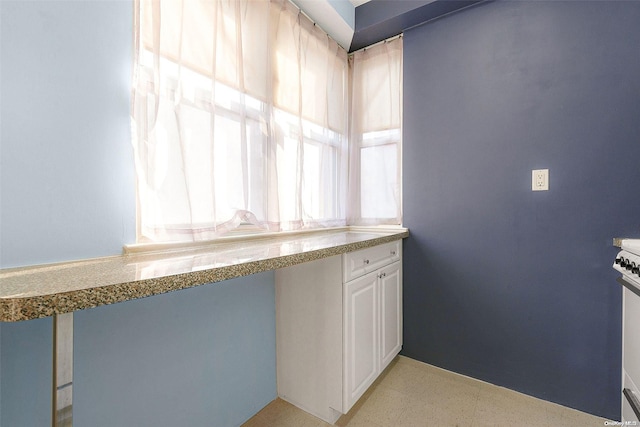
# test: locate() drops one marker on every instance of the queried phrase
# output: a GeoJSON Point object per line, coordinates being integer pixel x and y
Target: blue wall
{"type": "Point", "coordinates": [501, 283]}
{"type": "Point", "coordinates": [199, 357]}
{"type": "Point", "coordinates": [25, 373]}
{"type": "Point", "coordinates": [381, 19]}
{"type": "Point", "coordinates": [67, 162]}
{"type": "Point", "coordinates": [67, 192]}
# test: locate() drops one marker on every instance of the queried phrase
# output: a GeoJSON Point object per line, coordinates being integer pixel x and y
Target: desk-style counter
{"type": "Point", "coordinates": [58, 290]}
{"type": "Point", "coordinates": [45, 290]}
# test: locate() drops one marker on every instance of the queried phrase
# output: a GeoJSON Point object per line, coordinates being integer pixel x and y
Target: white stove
{"type": "Point", "coordinates": [628, 261]}
{"type": "Point", "coordinates": [628, 264]}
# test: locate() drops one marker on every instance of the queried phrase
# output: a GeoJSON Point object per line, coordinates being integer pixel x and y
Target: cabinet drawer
{"type": "Point", "coordinates": [361, 262]}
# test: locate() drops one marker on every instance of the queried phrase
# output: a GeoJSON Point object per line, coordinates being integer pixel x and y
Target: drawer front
{"type": "Point", "coordinates": [359, 263]}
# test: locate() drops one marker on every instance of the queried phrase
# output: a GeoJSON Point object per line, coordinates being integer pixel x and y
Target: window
{"type": "Point", "coordinates": [376, 137]}
{"type": "Point", "coordinates": [380, 175]}
{"type": "Point", "coordinates": [239, 118]}
{"type": "Point", "coordinates": [209, 147]}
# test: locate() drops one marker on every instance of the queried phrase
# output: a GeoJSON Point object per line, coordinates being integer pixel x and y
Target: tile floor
{"type": "Point", "coordinates": [414, 394]}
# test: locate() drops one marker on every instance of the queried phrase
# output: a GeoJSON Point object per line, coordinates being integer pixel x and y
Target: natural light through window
{"type": "Point", "coordinates": [240, 120]}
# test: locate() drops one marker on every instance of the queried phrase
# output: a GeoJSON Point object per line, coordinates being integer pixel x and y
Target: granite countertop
{"type": "Point", "coordinates": [44, 290]}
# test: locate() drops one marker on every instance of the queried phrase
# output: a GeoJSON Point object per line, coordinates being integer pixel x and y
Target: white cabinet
{"type": "Point", "coordinates": [338, 325]}
{"type": "Point", "coordinates": [359, 263]}
{"type": "Point", "coordinates": [361, 337]}
{"type": "Point", "coordinates": [390, 313]}
{"type": "Point", "coordinates": [373, 328]}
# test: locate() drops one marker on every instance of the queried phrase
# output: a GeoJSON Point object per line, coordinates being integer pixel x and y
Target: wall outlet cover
{"type": "Point", "coordinates": [540, 180]}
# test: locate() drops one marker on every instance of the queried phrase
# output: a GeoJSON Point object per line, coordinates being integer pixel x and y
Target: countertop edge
{"type": "Point", "coordinates": [34, 307]}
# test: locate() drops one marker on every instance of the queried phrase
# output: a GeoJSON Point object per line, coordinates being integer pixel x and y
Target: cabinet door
{"type": "Point", "coordinates": [390, 313]}
{"type": "Point", "coordinates": [361, 357]}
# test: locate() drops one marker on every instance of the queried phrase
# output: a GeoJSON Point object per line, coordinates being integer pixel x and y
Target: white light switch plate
{"type": "Point", "coordinates": [540, 180]}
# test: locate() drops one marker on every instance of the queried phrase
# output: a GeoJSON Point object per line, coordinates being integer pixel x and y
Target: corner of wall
{"type": "Point", "coordinates": [331, 18]}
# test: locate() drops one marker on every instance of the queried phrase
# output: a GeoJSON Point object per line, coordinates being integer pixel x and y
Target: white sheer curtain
{"type": "Point", "coordinates": [375, 179]}
{"type": "Point", "coordinates": [239, 118]}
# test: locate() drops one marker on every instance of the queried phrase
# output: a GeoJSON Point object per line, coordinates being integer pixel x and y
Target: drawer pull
{"type": "Point", "coordinates": [393, 252]}
{"type": "Point", "coordinates": [382, 275]}
{"type": "Point", "coordinates": [366, 261]}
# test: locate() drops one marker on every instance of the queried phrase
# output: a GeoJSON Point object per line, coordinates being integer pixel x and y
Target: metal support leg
{"type": "Point", "coordinates": [62, 370]}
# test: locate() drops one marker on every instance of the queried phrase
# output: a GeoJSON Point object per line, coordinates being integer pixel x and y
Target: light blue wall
{"type": "Point", "coordinates": [199, 357]}
{"type": "Point", "coordinates": [67, 192]}
{"type": "Point", "coordinates": [67, 178]}
{"type": "Point", "coordinates": [346, 10]}
{"type": "Point", "coordinates": [26, 374]}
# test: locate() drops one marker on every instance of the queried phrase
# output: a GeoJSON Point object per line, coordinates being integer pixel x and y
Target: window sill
{"type": "Point", "coordinates": [250, 237]}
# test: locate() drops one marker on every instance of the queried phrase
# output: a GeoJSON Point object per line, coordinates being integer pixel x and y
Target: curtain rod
{"type": "Point", "coordinates": [316, 25]}
{"type": "Point", "coordinates": [390, 39]}
{"type": "Point", "coordinates": [397, 36]}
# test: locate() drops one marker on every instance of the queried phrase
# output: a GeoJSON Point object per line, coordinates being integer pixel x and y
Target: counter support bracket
{"type": "Point", "coordinates": [62, 396]}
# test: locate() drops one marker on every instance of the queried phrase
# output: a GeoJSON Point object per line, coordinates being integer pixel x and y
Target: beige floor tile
{"type": "Point", "coordinates": [256, 421]}
{"type": "Point", "coordinates": [573, 418]}
{"type": "Point", "coordinates": [444, 402]}
{"type": "Point", "coordinates": [405, 378]}
{"type": "Point", "coordinates": [413, 394]}
{"type": "Point", "coordinates": [516, 408]}
{"type": "Point", "coordinates": [446, 410]}
{"type": "Point", "coordinates": [359, 419]}
{"type": "Point", "coordinates": [280, 413]}
{"type": "Point", "coordinates": [582, 419]}
{"type": "Point", "coordinates": [385, 406]}
{"type": "Point", "coordinates": [512, 407]}
{"type": "Point", "coordinates": [492, 412]}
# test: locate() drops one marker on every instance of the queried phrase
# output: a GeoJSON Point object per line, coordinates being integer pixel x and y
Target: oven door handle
{"type": "Point", "coordinates": [628, 285]}
{"type": "Point", "coordinates": [633, 401]}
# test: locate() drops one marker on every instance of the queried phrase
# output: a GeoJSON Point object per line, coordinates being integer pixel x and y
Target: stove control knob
{"type": "Point", "coordinates": [623, 263]}
{"type": "Point", "coordinates": [635, 270]}
{"type": "Point", "coordinates": [618, 260]}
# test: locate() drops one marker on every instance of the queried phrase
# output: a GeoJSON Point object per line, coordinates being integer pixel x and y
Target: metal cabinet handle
{"type": "Point", "coordinates": [366, 261]}
{"type": "Point", "coordinates": [633, 401]}
{"type": "Point", "coordinates": [393, 252]}
{"type": "Point", "coordinates": [382, 275]}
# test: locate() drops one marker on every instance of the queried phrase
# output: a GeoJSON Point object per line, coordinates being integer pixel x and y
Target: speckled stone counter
{"type": "Point", "coordinates": [44, 290]}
